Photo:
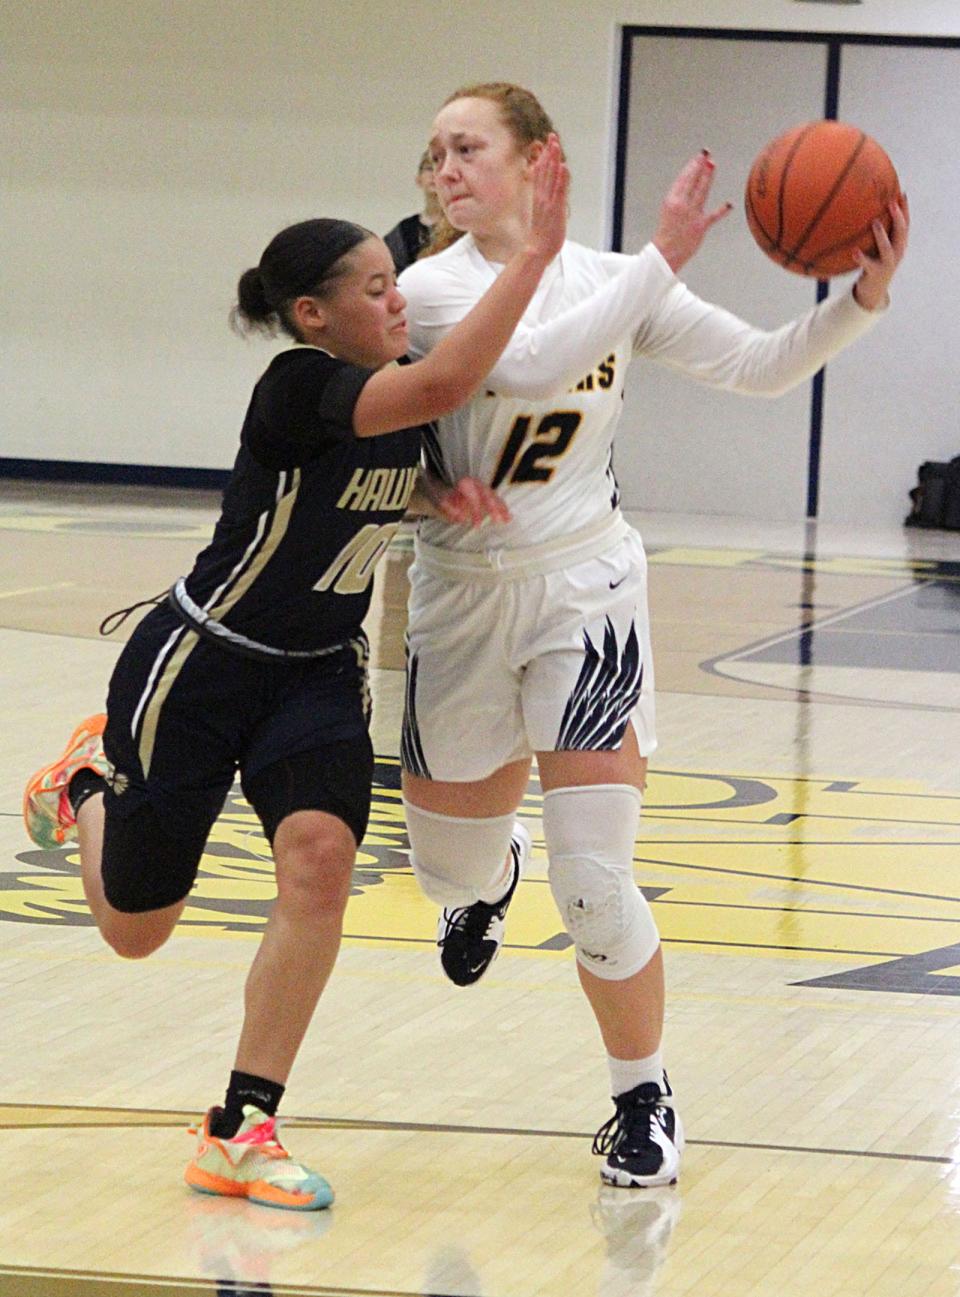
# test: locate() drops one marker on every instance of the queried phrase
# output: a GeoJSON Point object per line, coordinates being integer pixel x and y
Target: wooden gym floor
{"type": "Point", "coordinates": [801, 851]}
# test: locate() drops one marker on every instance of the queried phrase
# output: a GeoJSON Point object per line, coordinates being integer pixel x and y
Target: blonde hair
{"type": "Point", "coordinates": [524, 117]}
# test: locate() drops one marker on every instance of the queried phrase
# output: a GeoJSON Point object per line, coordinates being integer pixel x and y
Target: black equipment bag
{"type": "Point", "coordinates": [936, 497]}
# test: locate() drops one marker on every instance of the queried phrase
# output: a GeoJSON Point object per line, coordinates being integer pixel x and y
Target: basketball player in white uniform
{"type": "Point", "coordinates": [536, 631]}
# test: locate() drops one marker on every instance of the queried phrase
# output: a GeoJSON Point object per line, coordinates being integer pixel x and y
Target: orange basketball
{"type": "Point", "coordinates": [813, 194]}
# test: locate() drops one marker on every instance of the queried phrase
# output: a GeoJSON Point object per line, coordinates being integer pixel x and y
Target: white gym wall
{"type": "Point", "coordinates": [151, 149]}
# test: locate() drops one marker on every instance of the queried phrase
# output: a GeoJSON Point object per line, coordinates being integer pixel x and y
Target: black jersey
{"type": "Point", "coordinates": [308, 509]}
{"type": "Point", "coordinates": [407, 240]}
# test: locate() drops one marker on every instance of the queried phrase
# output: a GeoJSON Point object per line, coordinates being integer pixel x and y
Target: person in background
{"type": "Point", "coordinates": [410, 236]}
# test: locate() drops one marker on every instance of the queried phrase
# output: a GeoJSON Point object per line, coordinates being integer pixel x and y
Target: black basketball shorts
{"type": "Point", "coordinates": [185, 716]}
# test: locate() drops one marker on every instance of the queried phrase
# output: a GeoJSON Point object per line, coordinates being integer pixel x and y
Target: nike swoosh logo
{"type": "Point", "coordinates": [614, 584]}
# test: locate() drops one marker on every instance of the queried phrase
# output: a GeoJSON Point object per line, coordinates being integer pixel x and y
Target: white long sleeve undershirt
{"type": "Point", "coordinates": [715, 347]}
{"type": "Point", "coordinates": [642, 300]}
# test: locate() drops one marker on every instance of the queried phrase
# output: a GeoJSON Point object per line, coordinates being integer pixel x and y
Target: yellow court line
{"type": "Point", "coordinates": [36, 589]}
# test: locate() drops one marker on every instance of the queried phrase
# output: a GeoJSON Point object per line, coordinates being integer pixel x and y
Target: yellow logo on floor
{"type": "Point", "coordinates": [820, 869]}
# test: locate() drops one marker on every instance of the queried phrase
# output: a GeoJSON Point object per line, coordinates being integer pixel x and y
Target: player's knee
{"type": "Point", "coordinates": [314, 890]}
{"type": "Point", "coordinates": [314, 854]}
{"type": "Point", "coordinates": [590, 832]}
{"type": "Point", "coordinates": [134, 939]}
{"type": "Point", "coordinates": [454, 859]}
{"type": "Point", "coordinates": [607, 917]}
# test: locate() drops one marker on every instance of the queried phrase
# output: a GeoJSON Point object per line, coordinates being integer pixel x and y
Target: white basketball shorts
{"type": "Point", "coordinates": [505, 663]}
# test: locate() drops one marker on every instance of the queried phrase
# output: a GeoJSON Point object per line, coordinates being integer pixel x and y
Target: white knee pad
{"type": "Point", "coordinates": [590, 832]}
{"type": "Point", "coordinates": [455, 859]}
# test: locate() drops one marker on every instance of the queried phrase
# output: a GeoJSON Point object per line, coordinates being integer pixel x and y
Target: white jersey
{"type": "Point", "coordinates": [541, 429]}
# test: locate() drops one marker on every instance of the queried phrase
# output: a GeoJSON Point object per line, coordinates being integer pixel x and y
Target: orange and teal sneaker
{"type": "Point", "coordinates": [254, 1165]}
{"type": "Point", "coordinates": [47, 812]}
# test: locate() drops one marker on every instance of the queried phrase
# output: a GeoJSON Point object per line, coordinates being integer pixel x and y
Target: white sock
{"type": "Point", "coordinates": [627, 1073]}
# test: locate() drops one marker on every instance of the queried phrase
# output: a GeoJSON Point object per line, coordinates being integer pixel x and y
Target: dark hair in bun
{"type": "Point", "coordinates": [304, 259]}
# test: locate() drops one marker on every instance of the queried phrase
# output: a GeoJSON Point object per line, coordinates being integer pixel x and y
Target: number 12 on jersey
{"type": "Point", "coordinates": [524, 453]}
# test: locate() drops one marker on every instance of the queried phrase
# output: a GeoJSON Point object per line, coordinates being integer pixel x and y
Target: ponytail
{"type": "Point", "coordinates": [252, 310]}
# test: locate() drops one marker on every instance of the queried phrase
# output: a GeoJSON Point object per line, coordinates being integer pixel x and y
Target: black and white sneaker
{"type": "Point", "coordinates": [643, 1140]}
{"type": "Point", "coordinates": [470, 936]}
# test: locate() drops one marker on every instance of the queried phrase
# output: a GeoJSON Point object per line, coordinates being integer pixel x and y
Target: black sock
{"type": "Point", "coordinates": [84, 784]}
{"type": "Point", "coordinates": [243, 1089]}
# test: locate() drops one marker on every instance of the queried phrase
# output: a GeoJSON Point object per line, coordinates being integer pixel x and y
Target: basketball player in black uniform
{"type": "Point", "coordinates": [256, 662]}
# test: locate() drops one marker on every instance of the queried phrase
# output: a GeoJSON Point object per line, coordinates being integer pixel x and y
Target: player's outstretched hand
{"type": "Point", "coordinates": [870, 290]}
{"type": "Point", "coordinates": [683, 221]}
{"type": "Point", "coordinates": [469, 503]}
{"type": "Point", "coordinates": [551, 185]}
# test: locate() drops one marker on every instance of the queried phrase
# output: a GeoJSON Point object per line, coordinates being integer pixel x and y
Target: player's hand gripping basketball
{"type": "Point", "coordinates": [683, 221]}
{"type": "Point", "coordinates": [870, 290]}
{"type": "Point", "coordinates": [551, 183]}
